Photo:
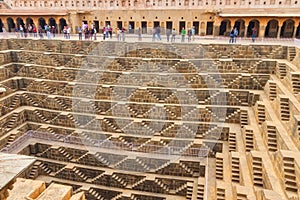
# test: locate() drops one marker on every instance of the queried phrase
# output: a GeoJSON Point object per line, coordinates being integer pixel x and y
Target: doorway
{"type": "Point", "coordinates": [144, 27]}
{"type": "Point", "coordinates": [181, 25]}
{"type": "Point", "coordinates": [209, 28]}
{"type": "Point", "coordinates": [196, 25]}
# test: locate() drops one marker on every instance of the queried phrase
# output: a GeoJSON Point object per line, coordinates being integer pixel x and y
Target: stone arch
{"type": "Point", "coordinates": [271, 28]}
{"type": "Point", "coordinates": [240, 25]}
{"type": "Point", "coordinates": [11, 24]}
{"type": "Point", "coordinates": [52, 22]}
{"type": "Point", "coordinates": [29, 21]}
{"type": "Point", "coordinates": [287, 29]}
{"type": "Point", "coordinates": [225, 27]}
{"type": "Point", "coordinates": [42, 22]}
{"type": "Point", "coordinates": [62, 23]}
{"type": "Point", "coordinates": [20, 22]}
{"type": "Point", "coordinates": [254, 23]}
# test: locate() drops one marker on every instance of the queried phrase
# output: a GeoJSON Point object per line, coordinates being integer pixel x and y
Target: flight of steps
{"type": "Point", "coordinates": [289, 174]}
{"type": "Point", "coordinates": [284, 109]}
{"type": "Point", "coordinates": [291, 53]}
{"type": "Point", "coordinates": [219, 167]}
{"type": "Point", "coordinates": [235, 168]}
{"type": "Point", "coordinates": [34, 172]}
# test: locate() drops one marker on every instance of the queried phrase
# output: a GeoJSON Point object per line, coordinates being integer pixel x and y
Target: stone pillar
{"type": "Point", "coordinates": [295, 31]}
{"type": "Point", "coordinates": [278, 32]}
{"type": "Point", "coordinates": [279, 29]}
{"type": "Point", "coordinates": [216, 30]}
{"type": "Point", "coordinates": [36, 22]}
{"type": "Point", "coordinates": [262, 30]}
{"type": "Point", "coordinates": [246, 30]}
{"type": "Point", "coordinates": [5, 24]}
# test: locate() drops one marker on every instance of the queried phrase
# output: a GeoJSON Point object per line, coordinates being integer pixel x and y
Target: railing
{"type": "Point", "coordinates": [107, 144]}
{"type": "Point", "coordinates": [133, 37]}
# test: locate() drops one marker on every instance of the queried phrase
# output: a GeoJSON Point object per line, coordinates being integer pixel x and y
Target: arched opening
{"type": "Point", "coordinates": [298, 31]}
{"type": "Point", "coordinates": [1, 25]}
{"type": "Point", "coordinates": [52, 23]}
{"type": "Point", "coordinates": [62, 23]}
{"type": "Point", "coordinates": [287, 29]}
{"type": "Point", "coordinates": [240, 25]}
{"type": "Point", "coordinates": [225, 27]}
{"type": "Point", "coordinates": [20, 22]}
{"type": "Point", "coordinates": [42, 22]}
{"type": "Point", "coordinates": [253, 24]}
{"type": "Point", "coordinates": [29, 21]}
{"type": "Point", "coordinates": [272, 28]}
{"type": "Point", "coordinates": [11, 24]}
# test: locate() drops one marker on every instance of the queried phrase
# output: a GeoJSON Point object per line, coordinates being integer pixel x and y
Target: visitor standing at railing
{"type": "Point", "coordinates": [4, 32]}
{"type": "Point", "coordinates": [158, 32]}
{"type": "Point", "coordinates": [254, 32]}
{"type": "Point", "coordinates": [168, 33]}
{"type": "Point", "coordinates": [153, 34]}
{"type": "Point", "coordinates": [79, 29]}
{"type": "Point", "coordinates": [193, 33]}
{"type": "Point", "coordinates": [236, 33]}
{"type": "Point", "coordinates": [183, 33]}
{"type": "Point", "coordinates": [21, 31]}
{"type": "Point", "coordinates": [173, 35]}
{"type": "Point", "coordinates": [139, 34]}
{"type": "Point", "coordinates": [231, 35]}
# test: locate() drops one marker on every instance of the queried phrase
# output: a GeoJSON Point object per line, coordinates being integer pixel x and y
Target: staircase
{"type": "Point", "coordinates": [40, 116]}
{"type": "Point", "coordinates": [291, 53]}
{"type": "Point", "coordinates": [284, 109]}
{"type": "Point", "coordinates": [34, 170]}
{"type": "Point", "coordinates": [13, 121]}
{"type": "Point", "coordinates": [290, 175]}
{"type": "Point", "coordinates": [63, 152]}
{"type": "Point", "coordinates": [257, 172]}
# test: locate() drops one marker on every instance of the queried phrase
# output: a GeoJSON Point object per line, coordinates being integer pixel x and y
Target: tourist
{"type": "Point", "coordinates": [104, 32]}
{"type": "Point", "coordinates": [25, 32]}
{"type": "Point", "coordinates": [53, 30]}
{"type": "Point", "coordinates": [65, 32]}
{"type": "Point", "coordinates": [40, 30]}
{"type": "Point", "coordinates": [91, 33]}
{"type": "Point", "coordinates": [173, 35]}
{"type": "Point", "coordinates": [119, 34]}
{"type": "Point", "coordinates": [107, 28]}
{"type": "Point", "coordinates": [79, 29]}
{"type": "Point", "coordinates": [193, 33]}
{"type": "Point", "coordinates": [231, 35]}
{"type": "Point", "coordinates": [29, 28]}
{"type": "Point", "coordinates": [236, 33]}
{"type": "Point", "coordinates": [189, 33]}
{"type": "Point", "coordinates": [158, 32]}
{"type": "Point", "coordinates": [95, 33]}
{"type": "Point", "coordinates": [68, 32]}
{"type": "Point", "coordinates": [48, 31]}
{"type": "Point", "coordinates": [123, 33]}
{"type": "Point", "coordinates": [17, 32]}
{"type": "Point", "coordinates": [253, 35]}
{"type": "Point", "coordinates": [183, 33]}
{"type": "Point", "coordinates": [21, 31]}
{"type": "Point", "coordinates": [4, 32]}
{"type": "Point", "coordinates": [110, 32]}
{"type": "Point", "coordinates": [34, 30]}
{"type": "Point", "coordinates": [168, 33]}
{"type": "Point", "coordinates": [139, 34]}
{"type": "Point", "coordinates": [153, 34]}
